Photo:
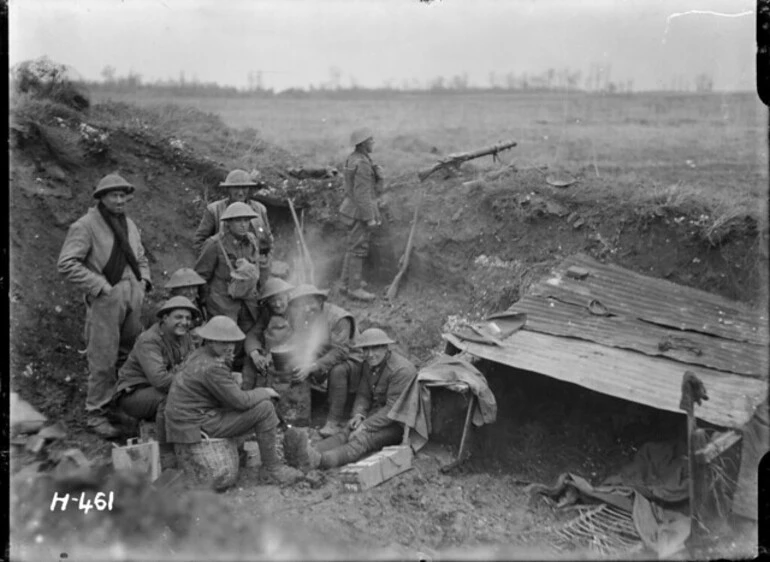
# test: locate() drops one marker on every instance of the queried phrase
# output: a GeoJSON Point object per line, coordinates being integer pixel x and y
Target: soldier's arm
{"type": "Point", "coordinates": [399, 381]}
{"type": "Point", "coordinates": [150, 356]}
{"type": "Point", "coordinates": [144, 264]}
{"type": "Point", "coordinates": [255, 337]}
{"type": "Point", "coordinates": [266, 222]}
{"type": "Point", "coordinates": [206, 229]}
{"type": "Point", "coordinates": [71, 264]}
{"type": "Point", "coordinates": [363, 191]}
{"type": "Point", "coordinates": [340, 346]}
{"type": "Point", "coordinates": [220, 382]}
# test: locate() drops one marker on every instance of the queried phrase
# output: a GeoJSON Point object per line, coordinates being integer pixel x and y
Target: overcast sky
{"type": "Point", "coordinates": [297, 42]}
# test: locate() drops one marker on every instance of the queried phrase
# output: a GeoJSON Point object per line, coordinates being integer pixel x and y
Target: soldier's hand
{"type": "Point", "coordinates": [106, 290]}
{"type": "Point", "coordinates": [238, 378]}
{"type": "Point", "coordinates": [372, 223]}
{"type": "Point", "coordinates": [357, 431]}
{"type": "Point", "coordinates": [356, 421]}
{"type": "Point", "coordinates": [302, 374]}
{"type": "Point", "coordinates": [259, 360]}
{"type": "Point", "coordinates": [272, 394]}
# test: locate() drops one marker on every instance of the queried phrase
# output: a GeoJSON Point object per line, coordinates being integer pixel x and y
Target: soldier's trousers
{"type": "Point", "coordinates": [343, 381]}
{"type": "Point", "coordinates": [340, 449]}
{"type": "Point", "coordinates": [232, 423]}
{"type": "Point", "coordinates": [359, 237]}
{"type": "Point", "coordinates": [113, 323]}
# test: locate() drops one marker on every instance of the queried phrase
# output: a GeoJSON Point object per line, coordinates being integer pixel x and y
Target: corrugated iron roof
{"type": "Point", "coordinates": [655, 330]}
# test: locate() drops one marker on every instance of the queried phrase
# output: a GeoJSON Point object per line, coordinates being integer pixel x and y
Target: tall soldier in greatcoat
{"type": "Point", "coordinates": [359, 210]}
{"type": "Point", "coordinates": [103, 255]}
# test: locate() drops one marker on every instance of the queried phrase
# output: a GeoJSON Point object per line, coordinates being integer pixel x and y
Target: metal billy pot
{"type": "Point", "coordinates": [282, 358]}
{"type": "Point", "coordinates": [294, 403]}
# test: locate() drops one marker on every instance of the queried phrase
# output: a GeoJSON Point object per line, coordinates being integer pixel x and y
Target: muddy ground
{"type": "Point", "coordinates": [480, 244]}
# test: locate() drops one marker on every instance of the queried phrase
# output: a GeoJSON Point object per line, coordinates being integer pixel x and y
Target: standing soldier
{"type": "Point", "coordinates": [229, 264]}
{"type": "Point", "coordinates": [238, 183]}
{"type": "Point", "coordinates": [103, 255]}
{"type": "Point", "coordinates": [363, 182]}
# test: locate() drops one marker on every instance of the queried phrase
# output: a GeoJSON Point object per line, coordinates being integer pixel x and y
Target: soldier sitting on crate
{"type": "Point", "coordinates": [335, 364]}
{"type": "Point", "coordinates": [386, 376]}
{"type": "Point", "coordinates": [205, 396]}
{"type": "Point", "coordinates": [271, 330]}
{"type": "Point", "coordinates": [145, 377]}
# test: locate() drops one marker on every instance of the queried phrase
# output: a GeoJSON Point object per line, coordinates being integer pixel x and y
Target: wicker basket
{"type": "Point", "coordinates": [212, 462]}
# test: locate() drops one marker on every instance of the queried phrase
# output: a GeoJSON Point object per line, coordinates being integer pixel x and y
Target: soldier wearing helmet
{"type": "Point", "coordinates": [145, 377]}
{"type": "Point", "coordinates": [205, 397]}
{"type": "Point", "coordinates": [271, 330]}
{"type": "Point", "coordinates": [237, 183]}
{"type": "Point", "coordinates": [184, 282]}
{"type": "Point", "coordinates": [326, 332]}
{"type": "Point", "coordinates": [230, 260]}
{"type": "Point", "coordinates": [359, 211]}
{"type": "Point", "coordinates": [103, 255]}
{"type": "Point", "coordinates": [386, 376]}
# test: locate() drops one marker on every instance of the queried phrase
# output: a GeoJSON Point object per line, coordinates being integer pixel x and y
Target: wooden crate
{"type": "Point", "coordinates": [377, 468]}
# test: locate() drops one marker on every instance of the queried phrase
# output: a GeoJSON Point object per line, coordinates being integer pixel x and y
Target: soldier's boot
{"type": "Point", "coordinates": [101, 426]}
{"type": "Point", "coordinates": [299, 452]}
{"type": "Point", "coordinates": [273, 471]}
{"type": "Point", "coordinates": [331, 427]}
{"type": "Point", "coordinates": [354, 289]}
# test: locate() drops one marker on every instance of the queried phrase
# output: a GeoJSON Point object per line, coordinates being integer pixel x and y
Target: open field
{"type": "Point", "coordinates": [711, 146]}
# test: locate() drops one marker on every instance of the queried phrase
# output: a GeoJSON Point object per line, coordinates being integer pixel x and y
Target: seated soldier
{"type": "Point", "coordinates": [271, 330]}
{"type": "Point", "coordinates": [145, 377]}
{"type": "Point", "coordinates": [330, 332]}
{"type": "Point", "coordinates": [387, 375]}
{"type": "Point", "coordinates": [185, 282]}
{"type": "Point", "coordinates": [205, 396]}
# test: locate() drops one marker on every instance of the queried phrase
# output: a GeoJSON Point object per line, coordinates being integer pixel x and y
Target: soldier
{"type": "Point", "coordinates": [205, 396]}
{"type": "Point", "coordinates": [330, 331]}
{"type": "Point", "coordinates": [229, 260]}
{"type": "Point", "coordinates": [145, 377]}
{"type": "Point", "coordinates": [184, 282]}
{"type": "Point", "coordinates": [271, 330]}
{"type": "Point", "coordinates": [103, 255]}
{"type": "Point", "coordinates": [386, 376]}
{"type": "Point", "coordinates": [237, 183]}
{"type": "Point", "coordinates": [359, 210]}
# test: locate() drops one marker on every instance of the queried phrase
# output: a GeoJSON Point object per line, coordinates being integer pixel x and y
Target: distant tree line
{"type": "Point", "coordinates": [596, 80]}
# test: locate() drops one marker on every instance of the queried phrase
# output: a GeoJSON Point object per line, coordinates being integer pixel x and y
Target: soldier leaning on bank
{"type": "Point", "coordinates": [103, 255]}
{"type": "Point", "coordinates": [359, 211]}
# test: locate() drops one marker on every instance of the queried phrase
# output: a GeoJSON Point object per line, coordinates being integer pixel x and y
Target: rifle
{"type": "Point", "coordinates": [393, 289]}
{"type": "Point", "coordinates": [455, 160]}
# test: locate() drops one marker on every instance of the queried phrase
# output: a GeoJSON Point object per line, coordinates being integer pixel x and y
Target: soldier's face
{"type": "Point", "coordinates": [238, 227]}
{"type": "Point", "coordinates": [238, 194]}
{"type": "Point", "coordinates": [223, 349]}
{"type": "Point", "coordinates": [278, 303]}
{"type": "Point", "coordinates": [375, 355]}
{"type": "Point", "coordinates": [115, 201]}
{"type": "Point", "coordinates": [308, 307]}
{"type": "Point", "coordinates": [190, 292]}
{"type": "Point", "coordinates": [177, 322]}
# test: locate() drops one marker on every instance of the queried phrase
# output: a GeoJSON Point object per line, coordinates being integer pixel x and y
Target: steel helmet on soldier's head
{"type": "Point", "coordinates": [238, 178]}
{"type": "Point", "coordinates": [221, 328]}
{"type": "Point", "coordinates": [372, 337]}
{"type": "Point", "coordinates": [237, 211]}
{"type": "Point", "coordinates": [275, 286]}
{"type": "Point", "coordinates": [178, 302]}
{"type": "Point", "coordinates": [112, 182]}
{"type": "Point", "coordinates": [184, 277]}
{"type": "Point", "coordinates": [360, 135]}
{"type": "Point", "coordinates": [307, 290]}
